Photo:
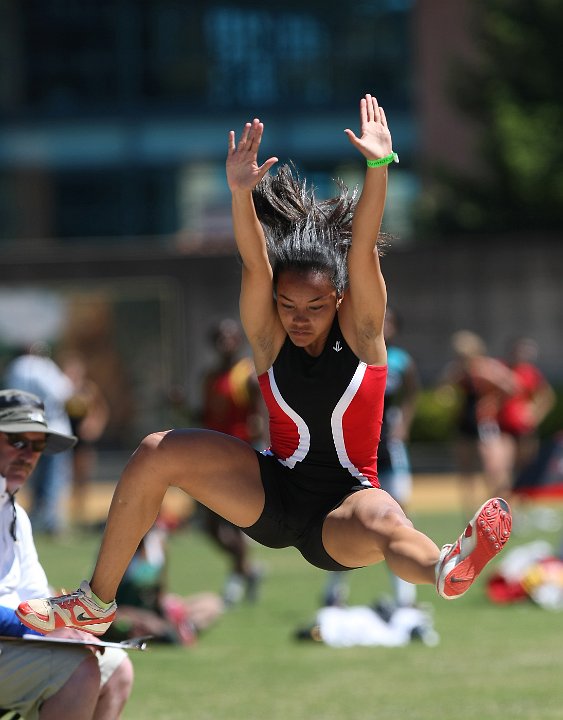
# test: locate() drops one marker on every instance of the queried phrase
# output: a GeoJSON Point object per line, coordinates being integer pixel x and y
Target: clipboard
{"type": "Point", "coordinates": [139, 643]}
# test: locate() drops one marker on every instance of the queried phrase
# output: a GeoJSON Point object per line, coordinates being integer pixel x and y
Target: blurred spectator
{"type": "Point", "coordinates": [482, 384]}
{"type": "Point", "coordinates": [232, 404]}
{"type": "Point", "coordinates": [145, 607]}
{"type": "Point", "coordinates": [522, 412]}
{"type": "Point", "coordinates": [34, 371]}
{"type": "Point", "coordinates": [231, 395]}
{"type": "Point", "coordinates": [88, 412]}
{"type": "Point", "coordinates": [393, 462]}
{"type": "Point", "coordinates": [45, 681]}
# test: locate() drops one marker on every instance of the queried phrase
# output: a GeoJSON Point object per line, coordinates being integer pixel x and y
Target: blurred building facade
{"type": "Point", "coordinates": [113, 129]}
{"type": "Point", "coordinates": [115, 113]}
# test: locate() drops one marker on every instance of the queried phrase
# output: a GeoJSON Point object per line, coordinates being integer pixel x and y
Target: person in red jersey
{"type": "Point", "coordinates": [232, 405]}
{"type": "Point", "coordinates": [312, 305]}
{"type": "Point", "coordinates": [523, 411]}
{"type": "Point", "coordinates": [481, 383]}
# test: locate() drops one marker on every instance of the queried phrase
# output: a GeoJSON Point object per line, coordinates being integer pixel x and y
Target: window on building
{"type": "Point", "coordinates": [115, 57]}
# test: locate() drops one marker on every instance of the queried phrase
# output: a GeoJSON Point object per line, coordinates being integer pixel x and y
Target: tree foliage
{"type": "Point", "coordinates": [514, 94]}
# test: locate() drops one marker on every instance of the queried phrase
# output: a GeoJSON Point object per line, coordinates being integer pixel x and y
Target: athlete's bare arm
{"type": "Point", "coordinates": [257, 309]}
{"type": "Point", "coordinates": [363, 309]}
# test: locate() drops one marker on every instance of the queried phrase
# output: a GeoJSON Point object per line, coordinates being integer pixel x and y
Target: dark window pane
{"type": "Point", "coordinates": [128, 56]}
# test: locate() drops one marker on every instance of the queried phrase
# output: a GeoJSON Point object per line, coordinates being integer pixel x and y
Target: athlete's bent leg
{"type": "Point", "coordinates": [370, 526]}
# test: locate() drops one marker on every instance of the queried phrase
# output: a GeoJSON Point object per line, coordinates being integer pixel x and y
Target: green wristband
{"type": "Point", "coordinates": [393, 157]}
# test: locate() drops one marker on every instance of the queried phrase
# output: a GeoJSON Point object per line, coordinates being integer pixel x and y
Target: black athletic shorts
{"type": "Point", "coordinates": [293, 515]}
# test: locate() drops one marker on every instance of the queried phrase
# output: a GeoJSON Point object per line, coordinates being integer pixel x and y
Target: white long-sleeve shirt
{"type": "Point", "coordinates": [21, 575]}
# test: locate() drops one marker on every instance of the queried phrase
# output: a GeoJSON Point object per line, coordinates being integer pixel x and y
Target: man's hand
{"type": "Point", "coordinates": [375, 139]}
{"type": "Point", "coordinates": [75, 634]}
{"type": "Point", "coordinates": [243, 171]}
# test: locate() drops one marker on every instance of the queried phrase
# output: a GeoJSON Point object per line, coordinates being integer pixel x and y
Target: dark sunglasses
{"type": "Point", "coordinates": [21, 443]}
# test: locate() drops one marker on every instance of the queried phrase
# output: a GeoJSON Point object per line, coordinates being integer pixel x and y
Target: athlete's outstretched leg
{"type": "Point", "coordinates": [217, 470]}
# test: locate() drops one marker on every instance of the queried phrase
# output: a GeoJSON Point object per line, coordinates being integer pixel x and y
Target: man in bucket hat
{"type": "Point", "coordinates": [23, 412]}
{"type": "Point", "coordinates": [32, 684]}
{"type": "Point", "coordinates": [35, 371]}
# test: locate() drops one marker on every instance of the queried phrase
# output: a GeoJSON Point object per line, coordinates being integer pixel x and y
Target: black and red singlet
{"type": "Point", "coordinates": [325, 413]}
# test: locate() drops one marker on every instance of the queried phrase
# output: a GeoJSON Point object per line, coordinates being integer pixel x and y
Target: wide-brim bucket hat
{"type": "Point", "coordinates": [24, 412]}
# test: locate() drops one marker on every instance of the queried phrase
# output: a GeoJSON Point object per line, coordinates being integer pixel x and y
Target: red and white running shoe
{"type": "Point", "coordinates": [77, 610]}
{"type": "Point", "coordinates": [484, 537]}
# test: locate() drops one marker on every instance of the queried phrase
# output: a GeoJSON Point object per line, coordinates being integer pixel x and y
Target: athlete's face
{"type": "Point", "coordinates": [307, 303]}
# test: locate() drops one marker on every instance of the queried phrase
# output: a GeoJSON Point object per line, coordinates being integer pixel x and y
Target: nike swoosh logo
{"type": "Point", "coordinates": [81, 617]}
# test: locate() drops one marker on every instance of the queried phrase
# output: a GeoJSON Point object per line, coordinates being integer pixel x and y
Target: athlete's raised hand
{"type": "Point", "coordinates": [243, 171]}
{"type": "Point", "coordinates": [375, 139]}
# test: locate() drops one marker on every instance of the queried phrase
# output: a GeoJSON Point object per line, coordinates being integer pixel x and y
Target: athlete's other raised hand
{"type": "Point", "coordinates": [243, 171]}
{"type": "Point", "coordinates": [375, 139]}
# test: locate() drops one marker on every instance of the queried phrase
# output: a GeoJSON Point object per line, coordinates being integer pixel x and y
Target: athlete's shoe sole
{"type": "Point", "coordinates": [484, 537]}
{"type": "Point", "coordinates": [77, 610]}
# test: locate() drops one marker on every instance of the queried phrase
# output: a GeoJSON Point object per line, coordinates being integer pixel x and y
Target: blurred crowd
{"type": "Point", "coordinates": [503, 403]}
{"type": "Point", "coordinates": [500, 404]}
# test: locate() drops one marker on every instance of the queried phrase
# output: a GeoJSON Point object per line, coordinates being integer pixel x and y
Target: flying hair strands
{"type": "Point", "coordinates": [302, 233]}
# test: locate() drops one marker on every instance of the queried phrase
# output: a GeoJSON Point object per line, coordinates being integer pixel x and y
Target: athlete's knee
{"type": "Point", "coordinates": [152, 442]}
{"type": "Point", "coordinates": [386, 520]}
{"type": "Point", "coordinates": [148, 456]}
{"type": "Point", "coordinates": [145, 449]}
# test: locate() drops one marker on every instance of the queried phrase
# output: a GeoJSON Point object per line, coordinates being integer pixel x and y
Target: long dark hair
{"type": "Point", "coordinates": [303, 233]}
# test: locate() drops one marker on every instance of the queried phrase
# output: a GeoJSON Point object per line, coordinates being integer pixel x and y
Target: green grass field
{"type": "Point", "coordinates": [492, 661]}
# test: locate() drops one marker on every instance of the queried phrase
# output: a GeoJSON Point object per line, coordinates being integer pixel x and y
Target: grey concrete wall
{"type": "Point", "coordinates": [498, 290]}
{"type": "Point", "coordinates": [495, 288]}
